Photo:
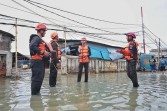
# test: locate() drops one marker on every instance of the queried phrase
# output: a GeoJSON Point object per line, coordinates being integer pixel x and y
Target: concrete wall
{"type": "Point", "coordinates": [70, 65]}
{"type": "Point", "coordinates": [5, 47]}
{"type": "Point", "coordinates": [8, 61]}
{"type": "Point", "coordinates": [5, 42]}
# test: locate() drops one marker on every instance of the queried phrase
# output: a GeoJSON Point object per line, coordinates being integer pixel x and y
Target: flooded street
{"type": "Point", "coordinates": [103, 92]}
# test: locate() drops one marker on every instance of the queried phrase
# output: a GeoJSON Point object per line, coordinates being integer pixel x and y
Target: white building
{"type": "Point", "coordinates": [155, 52]}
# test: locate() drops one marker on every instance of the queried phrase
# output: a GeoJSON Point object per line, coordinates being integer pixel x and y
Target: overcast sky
{"type": "Point", "coordinates": [121, 11]}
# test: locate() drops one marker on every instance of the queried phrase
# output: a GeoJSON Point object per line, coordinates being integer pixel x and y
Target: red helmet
{"type": "Point", "coordinates": [41, 26]}
{"type": "Point", "coordinates": [132, 34]}
{"type": "Point", "coordinates": [83, 39]}
{"type": "Point", "coordinates": [54, 35]}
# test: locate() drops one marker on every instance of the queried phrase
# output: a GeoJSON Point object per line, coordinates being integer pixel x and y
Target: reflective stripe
{"type": "Point", "coordinates": [58, 51]}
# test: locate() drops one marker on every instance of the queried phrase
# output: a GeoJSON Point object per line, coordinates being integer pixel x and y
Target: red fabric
{"type": "Point", "coordinates": [125, 52]}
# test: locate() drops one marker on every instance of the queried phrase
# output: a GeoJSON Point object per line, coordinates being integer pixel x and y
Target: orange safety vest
{"type": "Point", "coordinates": [129, 57]}
{"type": "Point", "coordinates": [84, 52]}
{"type": "Point", "coordinates": [58, 50]}
{"type": "Point", "coordinates": [42, 47]}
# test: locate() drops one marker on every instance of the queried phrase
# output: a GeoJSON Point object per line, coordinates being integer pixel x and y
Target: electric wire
{"type": "Point", "coordinates": [80, 14]}
{"type": "Point", "coordinates": [113, 33]}
{"type": "Point", "coordinates": [35, 14]}
{"type": "Point", "coordinates": [155, 35]}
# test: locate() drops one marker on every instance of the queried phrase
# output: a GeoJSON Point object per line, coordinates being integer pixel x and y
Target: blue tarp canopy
{"type": "Point", "coordinates": [101, 53]}
{"type": "Point", "coordinates": [113, 54]}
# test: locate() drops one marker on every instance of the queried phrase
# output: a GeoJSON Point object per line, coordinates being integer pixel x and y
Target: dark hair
{"type": "Point", "coordinates": [163, 56]}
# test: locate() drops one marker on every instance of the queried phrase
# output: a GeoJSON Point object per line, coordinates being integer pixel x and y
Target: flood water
{"type": "Point", "coordinates": [103, 92]}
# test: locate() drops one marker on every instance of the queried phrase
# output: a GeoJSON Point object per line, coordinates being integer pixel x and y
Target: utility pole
{"type": "Point", "coordinates": [16, 49]}
{"type": "Point", "coordinates": [65, 42]}
{"type": "Point", "coordinates": [65, 65]}
{"type": "Point", "coordinates": [144, 45]}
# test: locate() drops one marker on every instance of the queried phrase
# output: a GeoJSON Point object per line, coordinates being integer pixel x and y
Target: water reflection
{"type": "Point", "coordinates": [4, 88]}
{"type": "Point", "coordinates": [36, 103]}
{"type": "Point", "coordinates": [83, 97]}
{"type": "Point", "coordinates": [103, 92]}
{"type": "Point", "coordinates": [163, 78]}
{"type": "Point", "coordinates": [133, 95]}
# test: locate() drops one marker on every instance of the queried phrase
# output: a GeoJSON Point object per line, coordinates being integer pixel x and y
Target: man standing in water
{"type": "Point", "coordinates": [56, 58]}
{"type": "Point", "coordinates": [162, 64]}
{"type": "Point", "coordinates": [39, 54]}
{"type": "Point", "coordinates": [84, 53]}
{"type": "Point", "coordinates": [152, 62]}
{"type": "Point", "coordinates": [131, 55]}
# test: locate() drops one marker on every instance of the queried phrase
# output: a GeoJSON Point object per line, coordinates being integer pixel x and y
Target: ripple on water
{"type": "Point", "coordinates": [110, 97]}
{"type": "Point", "coordinates": [58, 99]}
{"type": "Point", "coordinates": [97, 105]}
{"type": "Point", "coordinates": [68, 108]}
{"type": "Point", "coordinates": [103, 95]}
{"type": "Point", "coordinates": [109, 108]}
{"type": "Point", "coordinates": [94, 92]}
{"type": "Point", "coordinates": [112, 101]}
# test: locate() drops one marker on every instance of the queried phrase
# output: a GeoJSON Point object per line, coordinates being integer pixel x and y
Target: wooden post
{"type": "Point", "coordinates": [16, 65]}
{"type": "Point", "coordinates": [144, 45]}
{"type": "Point", "coordinates": [65, 42]}
{"type": "Point", "coordinates": [64, 68]}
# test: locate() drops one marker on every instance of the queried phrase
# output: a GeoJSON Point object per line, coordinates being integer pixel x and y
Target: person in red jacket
{"type": "Point", "coordinates": [131, 55]}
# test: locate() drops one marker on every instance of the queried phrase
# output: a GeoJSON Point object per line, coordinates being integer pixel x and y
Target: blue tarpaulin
{"type": "Point", "coordinates": [113, 54]}
{"type": "Point", "coordinates": [144, 61]}
{"type": "Point", "coordinates": [97, 52]}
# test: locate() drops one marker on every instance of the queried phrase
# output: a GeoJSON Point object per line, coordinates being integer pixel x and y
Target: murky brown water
{"type": "Point", "coordinates": [104, 92]}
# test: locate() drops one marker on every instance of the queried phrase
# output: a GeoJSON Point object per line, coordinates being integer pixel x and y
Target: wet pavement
{"type": "Point", "coordinates": [103, 92]}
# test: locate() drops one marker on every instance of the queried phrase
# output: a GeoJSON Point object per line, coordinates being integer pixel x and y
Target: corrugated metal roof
{"type": "Point", "coordinates": [8, 34]}
{"type": "Point", "coordinates": [89, 41]}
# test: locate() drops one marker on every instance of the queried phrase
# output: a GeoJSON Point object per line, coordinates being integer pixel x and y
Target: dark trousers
{"type": "Point", "coordinates": [131, 72]}
{"type": "Point", "coordinates": [53, 75]}
{"type": "Point", "coordinates": [162, 68]}
{"type": "Point", "coordinates": [86, 67]}
{"type": "Point", "coordinates": [38, 71]}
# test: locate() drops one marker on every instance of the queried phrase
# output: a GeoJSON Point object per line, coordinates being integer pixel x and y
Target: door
{"type": "Point", "coordinates": [2, 64]}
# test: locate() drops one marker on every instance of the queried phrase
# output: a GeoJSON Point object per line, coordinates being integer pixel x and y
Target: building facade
{"type": "Point", "coordinates": [163, 52]}
{"type": "Point", "coordinates": [5, 53]}
{"type": "Point", "coordinates": [104, 58]}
